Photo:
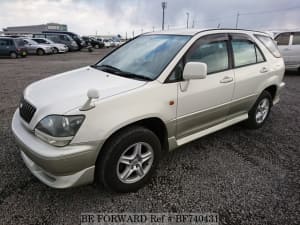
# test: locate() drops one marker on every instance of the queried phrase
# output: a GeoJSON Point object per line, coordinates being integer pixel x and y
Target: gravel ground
{"type": "Point", "coordinates": [247, 176]}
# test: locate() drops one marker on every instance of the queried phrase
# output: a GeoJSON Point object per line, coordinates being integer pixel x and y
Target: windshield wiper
{"type": "Point", "coordinates": [106, 68]}
{"type": "Point", "coordinates": [134, 76]}
{"type": "Point", "coordinates": [117, 71]}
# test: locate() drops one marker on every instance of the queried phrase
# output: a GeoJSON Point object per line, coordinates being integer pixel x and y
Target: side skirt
{"type": "Point", "coordinates": [174, 143]}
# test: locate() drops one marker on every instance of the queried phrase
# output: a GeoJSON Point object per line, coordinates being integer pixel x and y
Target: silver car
{"type": "Point", "coordinates": [36, 48]}
{"type": "Point", "coordinates": [57, 47]}
{"type": "Point", "coordinates": [289, 46]}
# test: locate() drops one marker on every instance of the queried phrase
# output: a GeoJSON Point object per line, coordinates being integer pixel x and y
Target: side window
{"type": "Point", "coordinates": [283, 39]}
{"type": "Point", "coordinates": [177, 72]}
{"type": "Point", "coordinates": [243, 52]}
{"type": "Point", "coordinates": [214, 54]}
{"type": "Point", "coordinates": [296, 38]}
{"type": "Point", "coordinates": [259, 56]}
{"type": "Point", "coordinates": [3, 42]}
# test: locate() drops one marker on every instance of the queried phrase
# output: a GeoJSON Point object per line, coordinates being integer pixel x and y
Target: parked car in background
{"type": "Point", "coordinates": [110, 122]}
{"type": "Point", "coordinates": [107, 42]}
{"type": "Point", "coordinates": [79, 41]}
{"type": "Point", "coordinates": [12, 47]}
{"type": "Point", "coordinates": [117, 43]}
{"type": "Point", "coordinates": [57, 47]}
{"type": "Point", "coordinates": [59, 38]}
{"type": "Point", "coordinates": [289, 46]}
{"type": "Point", "coordinates": [36, 48]}
{"type": "Point", "coordinates": [93, 42]}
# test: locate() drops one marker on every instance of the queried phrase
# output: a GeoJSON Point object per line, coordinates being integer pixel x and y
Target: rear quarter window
{"type": "Point", "coordinates": [270, 44]}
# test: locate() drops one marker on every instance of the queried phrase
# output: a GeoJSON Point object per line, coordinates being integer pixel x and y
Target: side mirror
{"type": "Point", "coordinates": [195, 70]}
{"type": "Point", "coordinates": [91, 94]}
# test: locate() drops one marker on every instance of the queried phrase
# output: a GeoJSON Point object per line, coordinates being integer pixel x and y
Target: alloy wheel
{"type": "Point", "coordinates": [135, 162]}
{"type": "Point", "coordinates": [262, 110]}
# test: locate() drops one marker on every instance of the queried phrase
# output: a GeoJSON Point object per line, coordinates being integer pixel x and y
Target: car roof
{"type": "Point", "coordinates": [192, 32]}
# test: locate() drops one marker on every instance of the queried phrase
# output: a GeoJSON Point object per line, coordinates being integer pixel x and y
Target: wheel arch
{"type": "Point", "coordinates": [272, 89]}
{"type": "Point", "coordinates": [155, 124]}
{"type": "Point", "coordinates": [40, 49]}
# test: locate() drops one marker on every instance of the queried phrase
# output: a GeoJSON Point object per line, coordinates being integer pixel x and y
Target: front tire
{"type": "Point", "coordinates": [128, 160]}
{"type": "Point", "coordinates": [260, 111]}
{"type": "Point", "coordinates": [40, 52]}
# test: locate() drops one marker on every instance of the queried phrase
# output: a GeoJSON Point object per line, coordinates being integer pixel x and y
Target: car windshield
{"type": "Point", "coordinates": [49, 41]}
{"type": "Point", "coordinates": [144, 57]}
{"type": "Point", "coordinates": [31, 41]}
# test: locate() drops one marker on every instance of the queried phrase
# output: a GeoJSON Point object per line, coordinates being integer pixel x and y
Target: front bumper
{"type": "Point", "coordinates": [58, 167]}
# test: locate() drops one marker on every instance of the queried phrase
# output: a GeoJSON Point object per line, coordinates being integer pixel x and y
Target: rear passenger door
{"type": "Point", "coordinates": [250, 69]}
{"type": "Point", "coordinates": [205, 102]}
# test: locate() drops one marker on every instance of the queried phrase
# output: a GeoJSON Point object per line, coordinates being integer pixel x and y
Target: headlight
{"type": "Point", "coordinates": [58, 130]}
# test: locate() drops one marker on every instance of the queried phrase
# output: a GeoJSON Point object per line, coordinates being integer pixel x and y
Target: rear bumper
{"type": "Point", "coordinates": [58, 167]}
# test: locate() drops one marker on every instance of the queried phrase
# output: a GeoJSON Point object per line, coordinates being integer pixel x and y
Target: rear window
{"type": "Point", "coordinates": [270, 44]}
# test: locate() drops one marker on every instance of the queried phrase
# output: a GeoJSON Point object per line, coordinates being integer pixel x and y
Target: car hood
{"type": "Point", "coordinates": [67, 91]}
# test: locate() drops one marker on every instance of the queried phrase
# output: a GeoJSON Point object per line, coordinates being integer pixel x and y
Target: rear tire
{"type": "Point", "coordinates": [260, 111]}
{"type": "Point", "coordinates": [40, 52]}
{"type": "Point", "coordinates": [128, 160]}
{"type": "Point", "coordinates": [13, 55]}
{"type": "Point", "coordinates": [97, 46]}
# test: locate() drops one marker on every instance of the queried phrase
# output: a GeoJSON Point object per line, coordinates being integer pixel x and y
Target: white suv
{"type": "Point", "coordinates": [111, 121]}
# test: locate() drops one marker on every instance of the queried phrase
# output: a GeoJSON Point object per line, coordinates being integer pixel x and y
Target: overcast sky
{"type": "Point", "coordinates": [87, 17]}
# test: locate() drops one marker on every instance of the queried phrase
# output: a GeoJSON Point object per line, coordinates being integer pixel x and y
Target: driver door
{"type": "Point", "coordinates": [204, 103]}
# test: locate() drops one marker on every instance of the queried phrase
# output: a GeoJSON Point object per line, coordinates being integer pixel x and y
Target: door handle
{"type": "Point", "coordinates": [264, 70]}
{"type": "Point", "coordinates": [226, 79]}
{"type": "Point", "coordinates": [286, 49]}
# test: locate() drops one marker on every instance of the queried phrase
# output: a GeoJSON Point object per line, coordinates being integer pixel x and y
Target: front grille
{"type": "Point", "coordinates": [26, 110]}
